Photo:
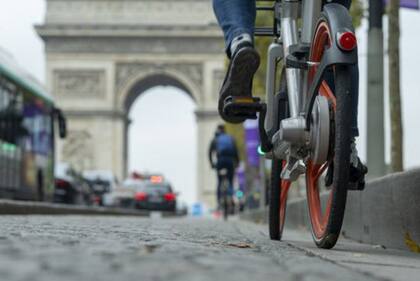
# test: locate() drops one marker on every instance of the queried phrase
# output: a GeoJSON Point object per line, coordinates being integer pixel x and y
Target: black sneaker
{"type": "Point", "coordinates": [238, 81]}
{"type": "Point", "coordinates": [357, 176]}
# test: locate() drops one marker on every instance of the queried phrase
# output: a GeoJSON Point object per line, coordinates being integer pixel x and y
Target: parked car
{"type": "Point", "coordinates": [123, 196]}
{"type": "Point", "coordinates": [70, 186]}
{"type": "Point", "coordinates": [155, 195]}
{"type": "Point", "coordinates": [102, 183]}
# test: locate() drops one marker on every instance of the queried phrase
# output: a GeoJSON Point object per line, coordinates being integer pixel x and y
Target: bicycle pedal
{"type": "Point", "coordinates": [245, 107]}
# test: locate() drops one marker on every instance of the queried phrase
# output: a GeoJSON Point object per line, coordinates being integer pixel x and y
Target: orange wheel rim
{"type": "Point", "coordinates": [319, 217]}
{"type": "Point", "coordinates": [284, 189]}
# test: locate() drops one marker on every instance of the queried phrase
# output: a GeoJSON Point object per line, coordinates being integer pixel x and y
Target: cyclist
{"type": "Point", "coordinates": [237, 20]}
{"type": "Point", "coordinates": [223, 148]}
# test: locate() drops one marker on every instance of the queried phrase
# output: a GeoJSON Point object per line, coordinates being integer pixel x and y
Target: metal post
{"type": "Point", "coordinates": [375, 93]}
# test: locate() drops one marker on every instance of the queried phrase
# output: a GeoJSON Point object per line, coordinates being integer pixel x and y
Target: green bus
{"type": "Point", "coordinates": [27, 117]}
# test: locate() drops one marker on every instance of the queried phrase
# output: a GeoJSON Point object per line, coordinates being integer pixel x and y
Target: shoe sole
{"type": "Point", "coordinates": [242, 70]}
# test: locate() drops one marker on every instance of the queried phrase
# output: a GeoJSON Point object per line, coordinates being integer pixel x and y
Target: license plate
{"type": "Point", "coordinates": [60, 192]}
{"type": "Point", "coordinates": [155, 199]}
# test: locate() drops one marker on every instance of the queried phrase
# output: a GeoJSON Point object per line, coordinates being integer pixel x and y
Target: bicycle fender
{"type": "Point", "coordinates": [339, 21]}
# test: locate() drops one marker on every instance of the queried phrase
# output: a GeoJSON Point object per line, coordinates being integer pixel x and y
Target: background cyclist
{"type": "Point", "coordinates": [223, 154]}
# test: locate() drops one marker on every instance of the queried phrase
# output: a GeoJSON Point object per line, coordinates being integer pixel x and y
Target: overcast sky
{"type": "Point", "coordinates": [163, 137]}
{"type": "Point", "coordinates": [18, 37]}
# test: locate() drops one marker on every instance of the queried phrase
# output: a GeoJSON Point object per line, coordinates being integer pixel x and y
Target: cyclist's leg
{"type": "Point", "coordinates": [237, 19]}
{"type": "Point", "coordinates": [218, 192]}
{"type": "Point", "coordinates": [230, 174]}
{"type": "Point", "coordinates": [230, 192]}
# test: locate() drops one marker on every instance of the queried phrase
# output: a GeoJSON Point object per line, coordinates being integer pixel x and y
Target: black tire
{"type": "Point", "coordinates": [275, 228]}
{"type": "Point", "coordinates": [326, 234]}
{"type": "Point", "coordinates": [276, 224]}
{"type": "Point", "coordinates": [341, 164]}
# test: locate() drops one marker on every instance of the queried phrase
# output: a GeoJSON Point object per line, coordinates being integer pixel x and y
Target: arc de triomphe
{"type": "Point", "coordinates": [102, 54]}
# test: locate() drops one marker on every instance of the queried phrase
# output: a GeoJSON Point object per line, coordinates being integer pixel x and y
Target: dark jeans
{"type": "Point", "coordinates": [229, 165]}
{"type": "Point", "coordinates": [238, 16]}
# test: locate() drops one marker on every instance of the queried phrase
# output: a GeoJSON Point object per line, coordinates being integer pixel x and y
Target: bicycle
{"type": "Point", "coordinates": [305, 123]}
{"type": "Point", "coordinates": [224, 191]}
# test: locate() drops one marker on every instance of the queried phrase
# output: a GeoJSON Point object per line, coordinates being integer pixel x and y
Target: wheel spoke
{"type": "Point", "coordinates": [327, 210]}
{"type": "Point", "coordinates": [285, 185]}
{"type": "Point", "coordinates": [326, 92]}
{"type": "Point", "coordinates": [321, 170]}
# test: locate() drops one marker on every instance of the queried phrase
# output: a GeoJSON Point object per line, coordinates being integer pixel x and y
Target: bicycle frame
{"type": "Point", "coordinates": [291, 139]}
{"type": "Point", "coordinates": [289, 33]}
{"type": "Point", "coordinates": [308, 115]}
{"type": "Point", "coordinates": [289, 13]}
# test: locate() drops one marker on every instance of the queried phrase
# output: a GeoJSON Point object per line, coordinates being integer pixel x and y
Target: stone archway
{"type": "Point", "coordinates": [139, 83]}
{"type": "Point", "coordinates": [100, 51]}
{"type": "Point", "coordinates": [133, 79]}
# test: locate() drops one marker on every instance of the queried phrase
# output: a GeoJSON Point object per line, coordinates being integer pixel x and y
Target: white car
{"type": "Point", "coordinates": [103, 183]}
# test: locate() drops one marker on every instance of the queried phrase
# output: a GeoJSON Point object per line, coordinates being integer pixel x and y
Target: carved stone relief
{"type": "Point", "coordinates": [129, 12]}
{"type": "Point", "coordinates": [143, 45]}
{"type": "Point", "coordinates": [79, 83]}
{"type": "Point", "coordinates": [218, 77]}
{"type": "Point", "coordinates": [126, 71]}
{"type": "Point", "coordinates": [78, 150]}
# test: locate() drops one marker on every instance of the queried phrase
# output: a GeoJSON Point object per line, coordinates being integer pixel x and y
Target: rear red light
{"type": "Point", "coordinates": [347, 41]}
{"type": "Point", "coordinates": [140, 196]}
{"type": "Point", "coordinates": [169, 197]}
{"type": "Point", "coordinates": [61, 183]}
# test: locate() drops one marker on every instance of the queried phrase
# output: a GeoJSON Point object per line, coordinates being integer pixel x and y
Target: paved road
{"type": "Point", "coordinates": [123, 248]}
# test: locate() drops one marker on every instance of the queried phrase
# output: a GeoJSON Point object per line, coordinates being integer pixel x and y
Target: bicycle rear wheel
{"type": "Point", "coordinates": [331, 177]}
{"type": "Point", "coordinates": [278, 201]}
{"type": "Point", "coordinates": [278, 188]}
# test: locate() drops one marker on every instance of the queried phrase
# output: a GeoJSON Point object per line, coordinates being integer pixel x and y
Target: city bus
{"type": "Point", "coordinates": [27, 130]}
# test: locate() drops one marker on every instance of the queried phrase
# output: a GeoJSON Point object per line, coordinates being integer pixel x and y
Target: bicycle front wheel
{"type": "Point", "coordinates": [331, 177]}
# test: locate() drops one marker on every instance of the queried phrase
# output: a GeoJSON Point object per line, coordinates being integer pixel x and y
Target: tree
{"type": "Point", "coordinates": [394, 86]}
